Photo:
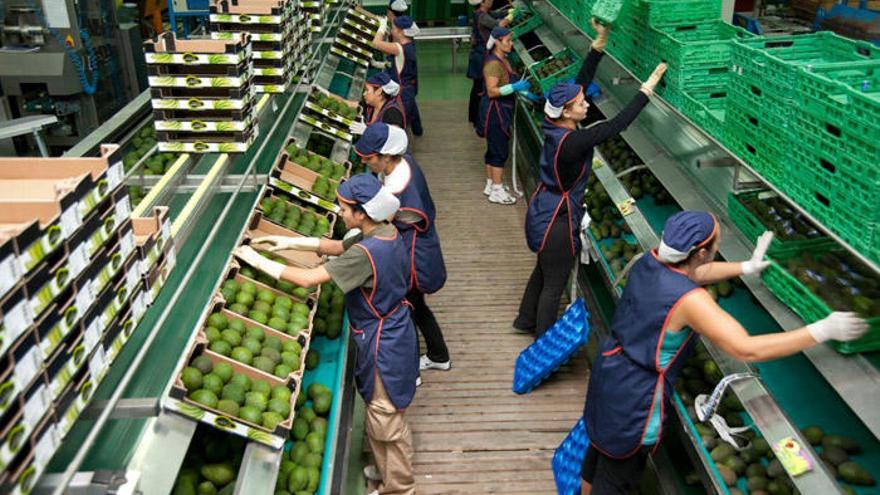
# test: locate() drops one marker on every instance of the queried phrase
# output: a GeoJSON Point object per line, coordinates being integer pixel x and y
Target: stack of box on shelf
{"type": "Point", "coordinates": [355, 37]}
{"type": "Point", "coordinates": [801, 111]}
{"type": "Point", "coordinates": [72, 293]}
{"type": "Point", "coordinates": [308, 176]}
{"type": "Point", "coordinates": [314, 11]}
{"type": "Point", "coordinates": [328, 114]}
{"type": "Point", "coordinates": [202, 94]}
{"type": "Point", "coordinates": [277, 33]}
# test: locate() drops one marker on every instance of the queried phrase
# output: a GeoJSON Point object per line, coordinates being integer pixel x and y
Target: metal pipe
{"type": "Point", "coordinates": [87, 443]}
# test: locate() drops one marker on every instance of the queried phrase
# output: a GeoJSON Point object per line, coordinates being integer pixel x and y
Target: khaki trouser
{"type": "Point", "coordinates": [391, 442]}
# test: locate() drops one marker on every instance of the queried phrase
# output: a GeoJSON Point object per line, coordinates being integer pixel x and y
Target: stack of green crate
{"type": "Point", "coordinates": [800, 111]}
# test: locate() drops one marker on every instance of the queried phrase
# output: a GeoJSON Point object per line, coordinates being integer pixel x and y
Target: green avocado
{"type": "Point", "coordinates": [220, 474]}
{"type": "Point", "coordinates": [250, 414]}
{"type": "Point", "coordinates": [855, 474]}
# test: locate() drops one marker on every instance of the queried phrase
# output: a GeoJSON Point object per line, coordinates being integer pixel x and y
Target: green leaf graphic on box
{"type": "Point", "coordinates": [194, 412]}
{"type": "Point", "coordinates": [223, 18]}
{"type": "Point", "coordinates": [165, 103]}
{"type": "Point", "coordinates": [228, 147]}
{"type": "Point", "coordinates": [171, 125]}
{"type": "Point", "coordinates": [223, 36]}
{"type": "Point", "coordinates": [162, 58]}
{"type": "Point", "coordinates": [265, 19]}
{"type": "Point", "coordinates": [174, 147]}
{"type": "Point", "coordinates": [217, 59]}
{"type": "Point", "coordinates": [225, 126]}
{"type": "Point", "coordinates": [163, 81]}
{"type": "Point", "coordinates": [259, 436]}
{"type": "Point", "coordinates": [221, 82]}
{"type": "Point", "coordinates": [223, 105]}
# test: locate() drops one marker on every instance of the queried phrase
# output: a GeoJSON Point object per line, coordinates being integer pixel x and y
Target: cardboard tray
{"type": "Point", "coordinates": [22, 370]}
{"type": "Point", "coordinates": [346, 164]}
{"type": "Point", "coordinates": [289, 200]}
{"type": "Point", "coordinates": [260, 227]}
{"type": "Point", "coordinates": [297, 175]}
{"type": "Point", "coordinates": [167, 49]}
{"type": "Point", "coordinates": [16, 315]}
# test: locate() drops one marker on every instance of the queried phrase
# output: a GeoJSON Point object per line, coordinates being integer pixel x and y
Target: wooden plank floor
{"type": "Point", "coordinates": [472, 433]}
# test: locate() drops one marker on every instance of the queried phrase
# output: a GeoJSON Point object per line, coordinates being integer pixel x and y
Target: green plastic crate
{"type": "Point", "coordinates": [526, 22]}
{"type": "Point", "coordinates": [670, 12]}
{"type": "Point", "coordinates": [752, 227]}
{"type": "Point", "coordinates": [760, 144]}
{"type": "Point", "coordinates": [847, 94]}
{"type": "Point", "coordinates": [810, 308]}
{"type": "Point", "coordinates": [749, 93]}
{"type": "Point", "coordinates": [606, 11]}
{"type": "Point", "coordinates": [706, 107]}
{"type": "Point", "coordinates": [698, 44]}
{"type": "Point", "coordinates": [820, 133]}
{"type": "Point", "coordinates": [568, 72]}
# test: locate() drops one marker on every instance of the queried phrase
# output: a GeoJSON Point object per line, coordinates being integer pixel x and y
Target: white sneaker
{"type": "Point", "coordinates": [418, 381]}
{"type": "Point", "coordinates": [374, 492]}
{"type": "Point", "coordinates": [425, 363]}
{"type": "Point", "coordinates": [501, 196]}
{"type": "Point", "coordinates": [488, 189]}
{"type": "Point", "coordinates": [372, 473]}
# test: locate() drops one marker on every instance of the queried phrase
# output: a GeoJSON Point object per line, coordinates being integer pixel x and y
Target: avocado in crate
{"type": "Point", "coordinates": [315, 162]}
{"type": "Point", "coordinates": [333, 105]}
{"type": "Point", "coordinates": [824, 279]}
{"type": "Point", "coordinates": [561, 66]}
{"type": "Point", "coordinates": [293, 217]}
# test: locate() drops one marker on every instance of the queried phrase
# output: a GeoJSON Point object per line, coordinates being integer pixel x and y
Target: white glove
{"type": "Point", "coordinates": [587, 253]}
{"type": "Point", "coordinates": [357, 127]}
{"type": "Point", "coordinates": [757, 264]}
{"type": "Point", "coordinates": [275, 243]}
{"type": "Point", "coordinates": [838, 326]}
{"type": "Point", "coordinates": [383, 28]}
{"type": "Point", "coordinates": [253, 258]}
{"type": "Point", "coordinates": [379, 64]}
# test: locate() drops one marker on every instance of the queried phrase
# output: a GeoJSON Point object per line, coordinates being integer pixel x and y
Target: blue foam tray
{"type": "Point", "coordinates": [568, 458]}
{"type": "Point", "coordinates": [553, 349]}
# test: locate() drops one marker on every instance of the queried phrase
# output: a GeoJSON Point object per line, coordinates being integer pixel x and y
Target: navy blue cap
{"type": "Point", "coordinates": [381, 138]}
{"type": "Point", "coordinates": [379, 79]}
{"type": "Point", "coordinates": [563, 93]}
{"type": "Point", "coordinates": [359, 189]}
{"type": "Point", "coordinates": [403, 22]}
{"type": "Point", "coordinates": [688, 230]}
{"type": "Point", "coordinates": [499, 32]}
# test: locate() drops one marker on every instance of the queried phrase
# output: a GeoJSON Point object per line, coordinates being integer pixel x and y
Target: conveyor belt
{"type": "Point", "coordinates": [472, 434]}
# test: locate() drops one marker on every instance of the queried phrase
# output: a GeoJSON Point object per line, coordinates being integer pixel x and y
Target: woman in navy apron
{"type": "Point", "coordinates": [553, 220]}
{"type": "Point", "coordinates": [500, 85]}
{"type": "Point", "coordinates": [484, 21]}
{"type": "Point", "coordinates": [404, 68]}
{"type": "Point", "coordinates": [381, 104]}
{"type": "Point", "coordinates": [662, 309]}
{"type": "Point", "coordinates": [372, 270]}
{"type": "Point", "coordinates": [383, 149]}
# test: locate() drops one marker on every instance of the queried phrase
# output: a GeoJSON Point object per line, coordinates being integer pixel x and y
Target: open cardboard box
{"type": "Point", "coordinates": [181, 403]}
{"type": "Point", "coordinates": [299, 176]}
{"type": "Point", "coordinates": [303, 337]}
{"type": "Point", "coordinates": [292, 140]}
{"type": "Point", "coordinates": [16, 315]}
{"type": "Point", "coordinates": [152, 234]}
{"type": "Point", "coordinates": [286, 198]}
{"type": "Point", "coordinates": [48, 281]}
{"type": "Point", "coordinates": [252, 7]}
{"type": "Point", "coordinates": [167, 42]}
{"type": "Point", "coordinates": [57, 218]}
{"type": "Point", "coordinates": [260, 227]}
{"type": "Point", "coordinates": [234, 273]}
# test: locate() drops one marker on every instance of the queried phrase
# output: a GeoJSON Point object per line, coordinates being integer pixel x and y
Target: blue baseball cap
{"type": "Point", "coordinates": [366, 190]}
{"type": "Point", "coordinates": [403, 22]}
{"type": "Point", "coordinates": [560, 95]}
{"type": "Point", "coordinates": [685, 232]}
{"type": "Point", "coordinates": [381, 138]}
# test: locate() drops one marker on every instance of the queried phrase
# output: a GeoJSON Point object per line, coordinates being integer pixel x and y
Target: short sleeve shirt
{"type": "Point", "coordinates": [495, 69]}
{"type": "Point", "coordinates": [352, 269]}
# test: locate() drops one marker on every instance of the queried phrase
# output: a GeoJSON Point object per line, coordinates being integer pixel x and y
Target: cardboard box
{"type": "Point", "coordinates": [59, 321]}
{"type": "Point", "coordinates": [156, 278]}
{"type": "Point", "coordinates": [287, 199]}
{"type": "Point", "coordinates": [260, 227]}
{"type": "Point", "coordinates": [298, 181]}
{"type": "Point", "coordinates": [152, 236]}
{"type": "Point", "coordinates": [11, 271]}
{"type": "Point", "coordinates": [57, 219]}
{"type": "Point", "coordinates": [74, 400]}
{"type": "Point", "coordinates": [16, 315]}
{"type": "Point", "coordinates": [48, 280]}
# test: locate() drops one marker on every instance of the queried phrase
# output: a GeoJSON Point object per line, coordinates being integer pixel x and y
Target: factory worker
{"type": "Point", "coordinates": [383, 149]}
{"type": "Point", "coordinates": [403, 69]}
{"type": "Point", "coordinates": [372, 269]}
{"type": "Point", "coordinates": [500, 83]}
{"type": "Point", "coordinates": [662, 310]}
{"type": "Point", "coordinates": [555, 213]}
{"type": "Point", "coordinates": [382, 103]}
{"type": "Point", "coordinates": [484, 21]}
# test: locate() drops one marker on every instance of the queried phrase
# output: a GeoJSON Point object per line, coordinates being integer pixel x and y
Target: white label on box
{"type": "Point", "coordinates": [79, 259]}
{"type": "Point", "coordinates": [115, 174]}
{"type": "Point", "coordinates": [127, 244]}
{"type": "Point", "coordinates": [166, 231]}
{"type": "Point", "coordinates": [70, 220]}
{"type": "Point", "coordinates": [27, 367]}
{"type": "Point", "coordinates": [93, 334]}
{"type": "Point", "coordinates": [37, 407]}
{"type": "Point", "coordinates": [84, 297]}
{"type": "Point", "coordinates": [18, 319]}
{"type": "Point", "coordinates": [132, 277]}
{"type": "Point", "coordinates": [98, 363]}
{"type": "Point", "coordinates": [47, 445]}
{"type": "Point", "coordinates": [138, 307]}
{"type": "Point", "coordinates": [123, 210]}
{"type": "Point", "coordinates": [10, 272]}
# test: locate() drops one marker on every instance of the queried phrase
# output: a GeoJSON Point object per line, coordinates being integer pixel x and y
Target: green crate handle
{"type": "Point", "coordinates": [5, 391]}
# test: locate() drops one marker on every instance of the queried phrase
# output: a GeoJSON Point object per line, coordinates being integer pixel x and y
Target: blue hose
{"type": "Point", "coordinates": [89, 86]}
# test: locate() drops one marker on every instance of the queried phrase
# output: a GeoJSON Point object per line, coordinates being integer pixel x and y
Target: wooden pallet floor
{"type": "Point", "coordinates": [472, 433]}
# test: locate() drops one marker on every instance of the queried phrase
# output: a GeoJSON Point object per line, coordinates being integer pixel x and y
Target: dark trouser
{"type": "Point", "coordinates": [474, 102]}
{"type": "Point", "coordinates": [423, 317]}
{"type": "Point", "coordinates": [497, 142]}
{"type": "Point", "coordinates": [609, 476]}
{"type": "Point", "coordinates": [539, 308]}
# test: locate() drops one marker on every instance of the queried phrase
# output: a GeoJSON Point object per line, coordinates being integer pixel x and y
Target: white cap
{"type": "Point", "coordinates": [383, 205]}
{"type": "Point", "coordinates": [551, 111]}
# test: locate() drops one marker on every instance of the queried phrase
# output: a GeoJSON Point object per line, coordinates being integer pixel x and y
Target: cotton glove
{"type": "Point", "coordinates": [275, 243]}
{"type": "Point", "coordinates": [351, 233]}
{"type": "Point", "coordinates": [587, 253]}
{"type": "Point", "coordinates": [757, 263]}
{"type": "Point", "coordinates": [382, 29]}
{"type": "Point", "coordinates": [253, 258]}
{"type": "Point", "coordinates": [357, 127]}
{"type": "Point", "coordinates": [839, 326]}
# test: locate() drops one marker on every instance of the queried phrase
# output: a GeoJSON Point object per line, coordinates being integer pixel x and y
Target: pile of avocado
{"type": "Point", "coordinates": [314, 162]}
{"type": "Point", "coordinates": [219, 387]}
{"type": "Point", "coordinates": [303, 220]}
{"type": "Point", "coordinates": [280, 313]}
{"type": "Point", "coordinates": [252, 346]}
{"type": "Point", "coordinates": [335, 106]}
{"type": "Point", "coordinates": [756, 465]}
{"type": "Point", "coordinates": [838, 279]}
{"type": "Point", "coordinates": [553, 66]}
{"type": "Point", "coordinates": [141, 144]}
{"type": "Point", "coordinates": [300, 471]}
{"type": "Point", "coordinates": [331, 306]}
{"type": "Point", "coordinates": [776, 214]}
{"type": "Point", "coordinates": [281, 285]}
{"type": "Point", "coordinates": [211, 464]}
{"type": "Point", "coordinates": [324, 188]}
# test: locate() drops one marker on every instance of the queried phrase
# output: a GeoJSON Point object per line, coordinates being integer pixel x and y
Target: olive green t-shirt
{"type": "Point", "coordinates": [352, 269]}
{"type": "Point", "coordinates": [495, 69]}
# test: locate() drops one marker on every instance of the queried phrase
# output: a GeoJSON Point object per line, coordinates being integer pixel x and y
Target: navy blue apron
{"type": "Point", "coordinates": [627, 377]}
{"type": "Point", "coordinates": [479, 37]}
{"type": "Point", "coordinates": [372, 116]}
{"type": "Point", "coordinates": [497, 110]}
{"type": "Point", "coordinates": [427, 269]}
{"type": "Point", "coordinates": [381, 325]}
{"type": "Point", "coordinates": [550, 196]}
{"type": "Point", "coordinates": [407, 77]}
